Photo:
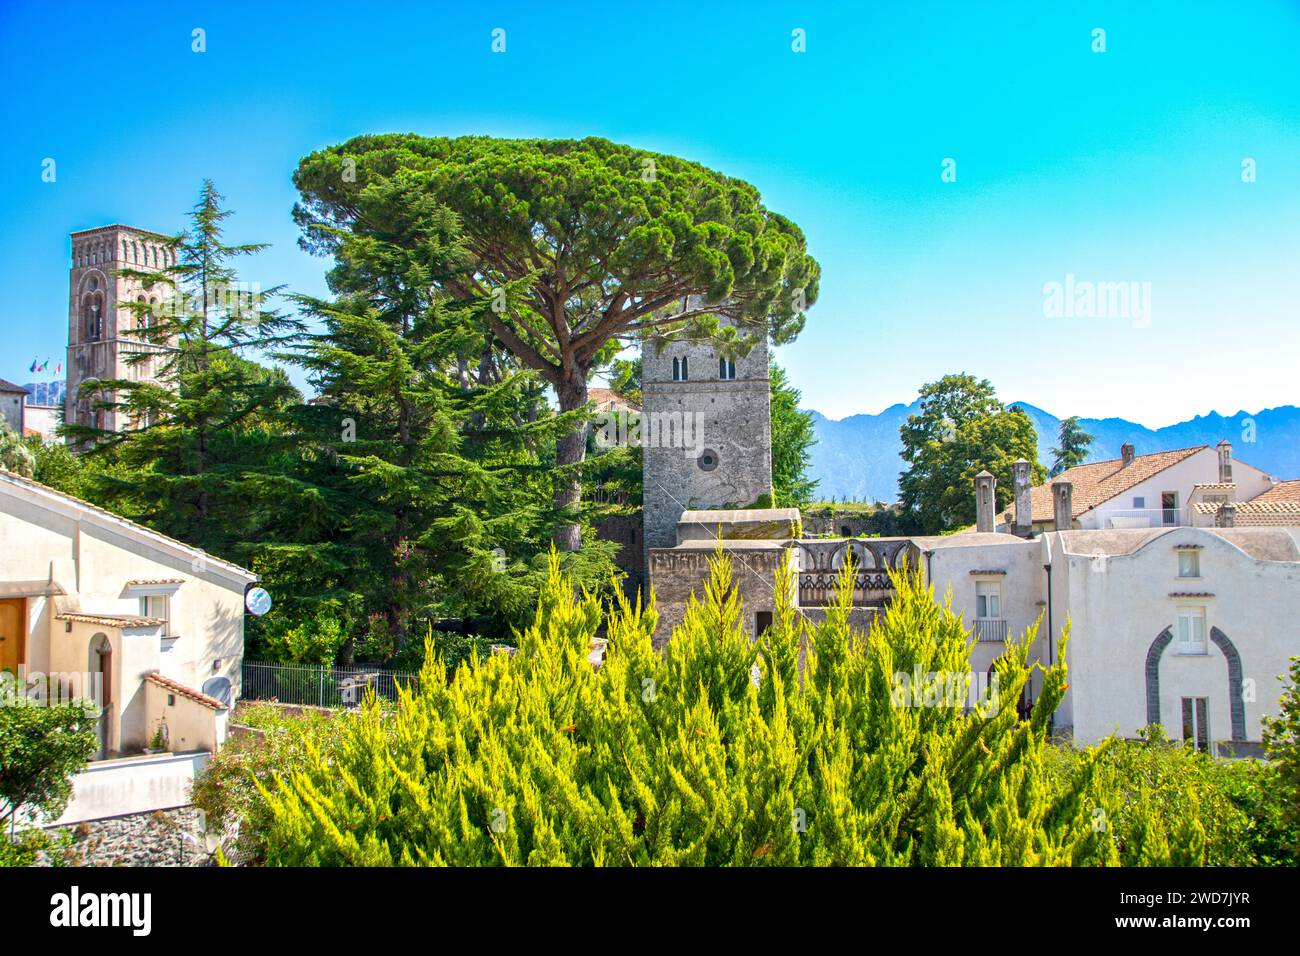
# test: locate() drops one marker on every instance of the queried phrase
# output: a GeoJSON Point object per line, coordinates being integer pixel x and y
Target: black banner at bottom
{"type": "Point", "coordinates": [213, 906]}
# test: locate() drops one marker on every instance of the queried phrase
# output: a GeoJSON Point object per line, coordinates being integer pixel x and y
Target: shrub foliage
{"type": "Point", "coordinates": [718, 752]}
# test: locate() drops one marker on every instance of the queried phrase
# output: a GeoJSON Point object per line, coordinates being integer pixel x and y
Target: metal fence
{"type": "Point", "coordinates": [317, 685]}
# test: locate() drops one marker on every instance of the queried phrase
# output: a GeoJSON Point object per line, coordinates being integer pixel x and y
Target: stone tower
{"type": "Point", "coordinates": [97, 347]}
{"type": "Point", "coordinates": [706, 433]}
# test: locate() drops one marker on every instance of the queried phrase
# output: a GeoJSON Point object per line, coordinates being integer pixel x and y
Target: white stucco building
{"type": "Point", "coordinates": [1169, 621]}
{"type": "Point", "coordinates": [98, 605]}
{"type": "Point", "coordinates": [1165, 489]}
{"type": "Point", "coordinates": [1184, 627]}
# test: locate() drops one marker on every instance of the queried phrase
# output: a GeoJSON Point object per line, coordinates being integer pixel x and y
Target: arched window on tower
{"type": "Point", "coordinates": [92, 311]}
{"type": "Point", "coordinates": [726, 368]}
{"type": "Point", "coordinates": [680, 371]}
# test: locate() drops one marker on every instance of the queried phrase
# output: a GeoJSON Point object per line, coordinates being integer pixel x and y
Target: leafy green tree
{"type": "Point", "coordinates": [15, 453]}
{"type": "Point", "coordinates": [195, 430]}
{"type": "Point", "coordinates": [570, 249]}
{"type": "Point", "coordinates": [792, 437]}
{"type": "Point", "coordinates": [1072, 446]}
{"type": "Point", "coordinates": [625, 380]}
{"type": "Point", "coordinates": [56, 465]}
{"type": "Point", "coordinates": [41, 748]}
{"type": "Point", "coordinates": [961, 430]}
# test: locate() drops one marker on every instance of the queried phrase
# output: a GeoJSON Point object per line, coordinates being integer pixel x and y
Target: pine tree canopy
{"type": "Point", "coordinates": [566, 250]}
{"type": "Point", "coordinates": [1073, 445]}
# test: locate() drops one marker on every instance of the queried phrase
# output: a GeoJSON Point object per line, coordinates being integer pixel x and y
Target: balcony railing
{"type": "Point", "coordinates": [990, 629]}
{"type": "Point", "coordinates": [820, 564]}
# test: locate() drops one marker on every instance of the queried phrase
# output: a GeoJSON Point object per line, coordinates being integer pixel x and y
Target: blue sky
{"type": "Point", "coordinates": [1115, 167]}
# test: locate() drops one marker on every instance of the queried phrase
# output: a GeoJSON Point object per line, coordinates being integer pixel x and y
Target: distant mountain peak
{"type": "Point", "coordinates": [857, 457]}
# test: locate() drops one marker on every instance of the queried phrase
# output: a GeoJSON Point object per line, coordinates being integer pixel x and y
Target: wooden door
{"type": "Point", "coordinates": [13, 633]}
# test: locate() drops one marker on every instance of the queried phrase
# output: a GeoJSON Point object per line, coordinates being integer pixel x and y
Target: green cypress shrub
{"type": "Point", "coordinates": [805, 747]}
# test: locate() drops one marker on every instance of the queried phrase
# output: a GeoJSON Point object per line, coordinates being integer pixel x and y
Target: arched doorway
{"type": "Point", "coordinates": [101, 666]}
{"type": "Point", "coordinates": [1236, 706]}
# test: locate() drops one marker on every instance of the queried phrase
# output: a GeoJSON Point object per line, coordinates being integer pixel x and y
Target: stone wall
{"type": "Point", "coordinates": [883, 522]}
{"type": "Point", "coordinates": [626, 531]}
{"type": "Point", "coordinates": [706, 442]}
{"type": "Point", "coordinates": [676, 573]}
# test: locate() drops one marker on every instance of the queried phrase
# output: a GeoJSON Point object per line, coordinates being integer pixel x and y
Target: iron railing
{"type": "Point", "coordinates": [320, 685]}
{"type": "Point", "coordinates": [990, 629]}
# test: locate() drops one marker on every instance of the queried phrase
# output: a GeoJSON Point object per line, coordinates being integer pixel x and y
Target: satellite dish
{"type": "Point", "coordinates": [218, 687]}
{"type": "Point", "coordinates": [258, 601]}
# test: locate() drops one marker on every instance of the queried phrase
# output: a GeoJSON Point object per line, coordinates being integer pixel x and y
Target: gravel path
{"type": "Point", "coordinates": [156, 838]}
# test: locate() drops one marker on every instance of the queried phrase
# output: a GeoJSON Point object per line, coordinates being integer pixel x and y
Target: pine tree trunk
{"type": "Point", "coordinates": [570, 449]}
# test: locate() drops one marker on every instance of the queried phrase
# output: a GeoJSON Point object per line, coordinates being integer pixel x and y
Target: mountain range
{"type": "Point", "coordinates": [856, 458]}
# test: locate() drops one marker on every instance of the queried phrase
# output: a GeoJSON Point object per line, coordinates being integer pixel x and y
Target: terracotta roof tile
{"type": "Point", "coordinates": [1100, 481]}
{"type": "Point", "coordinates": [1257, 512]}
{"type": "Point", "coordinates": [176, 687]}
{"type": "Point", "coordinates": [109, 620]}
{"type": "Point", "coordinates": [1282, 491]}
{"type": "Point", "coordinates": [609, 397]}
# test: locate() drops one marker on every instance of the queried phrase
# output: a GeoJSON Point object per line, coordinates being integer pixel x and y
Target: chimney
{"type": "Point", "coordinates": [1126, 453]}
{"type": "Point", "coordinates": [1024, 497]}
{"type": "Point", "coordinates": [1225, 461]}
{"type": "Point", "coordinates": [985, 501]}
{"type": "Point", "coordinates": [1228, 514]}
{"type": "Point", "coordinates": [1063, 504]}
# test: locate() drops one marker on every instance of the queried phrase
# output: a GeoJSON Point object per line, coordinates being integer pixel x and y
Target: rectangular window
{"type": "Point", "coordinates": [158, 606]}
{"type": "Point", "coordinates": [1139, 501]}
{"type": "Point", "coordinates": [726, 369]}
{"type": "Point", "coordinates": [1196, 721]}
{"type": "Point", "coordinates": [1169, 508]}
{"type": "Point", "coordinates": [762, 623]}
{"type": "Point", "coordinates": [1191, 630]}
{"type": "Point", "coordinates": [988, 600]}
{"type": "Point", "coordinates": [1189, 564]}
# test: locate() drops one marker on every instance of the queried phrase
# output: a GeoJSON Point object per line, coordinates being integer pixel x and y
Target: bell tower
{"type": "Point", "coordinates": [97, 320]}
{"type": "Point", "coordinates": [706, 433]}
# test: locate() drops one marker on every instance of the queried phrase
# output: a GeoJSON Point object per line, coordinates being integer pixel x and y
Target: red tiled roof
{"type": "Point", "coordinates": [176, 687]}
{"type": "Point", "coordinates": [1257, 513]}
{"type": "Point", "coordinates": [1100, 481]}
{"type": "Point", "coordinates": [607, 396]}
{"type": "Point", "coordinates": [1282, 491]}
{"type": "Point", "coordinates": [109, 620]}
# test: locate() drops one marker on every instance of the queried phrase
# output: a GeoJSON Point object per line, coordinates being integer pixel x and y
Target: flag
{"type": "Point", "coordinates": [33, 368]}
{"type": "Point", "coordinates": [58, 369]}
